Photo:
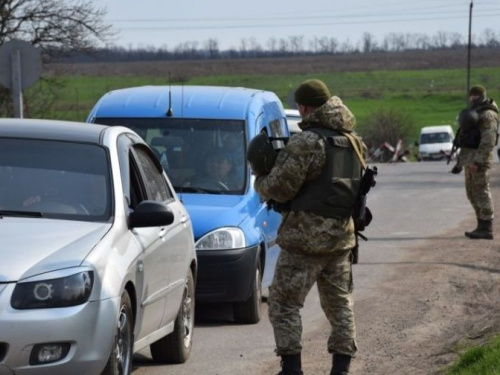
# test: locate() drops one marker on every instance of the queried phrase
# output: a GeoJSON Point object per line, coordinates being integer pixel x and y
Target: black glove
{"type": "Point", "coordinates": [456, 169]}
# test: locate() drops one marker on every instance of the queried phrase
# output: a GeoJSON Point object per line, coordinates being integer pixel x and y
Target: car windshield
{"type": "Point", "coordinates": [442, 137]}
{"type": "Point", "coordinates": [53, 179]}
{"type": "Point", "coordinates": [199, 156]}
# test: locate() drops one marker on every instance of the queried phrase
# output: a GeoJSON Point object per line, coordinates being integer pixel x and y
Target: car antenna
{"type": "Point", "coordinates": [170, 112]}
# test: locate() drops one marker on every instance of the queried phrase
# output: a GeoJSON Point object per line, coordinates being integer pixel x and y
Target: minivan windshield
{"type": "Point", "coordinates": [198, 155]}
{"type": "Point", "coordinates": [54, 179]}
{"type": "Point", "coordinates": [441, 137]}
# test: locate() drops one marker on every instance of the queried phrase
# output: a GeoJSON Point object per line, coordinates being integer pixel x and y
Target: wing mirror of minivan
{"type": "Point", "coordinates": [150, 214]}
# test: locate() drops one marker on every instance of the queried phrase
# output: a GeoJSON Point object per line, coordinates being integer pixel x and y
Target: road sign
{"type": "Point", "coordinates": [30, 63]}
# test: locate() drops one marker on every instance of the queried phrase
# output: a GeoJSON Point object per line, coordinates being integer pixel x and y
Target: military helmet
{"type": "Point", "coordinates": [261, 155]}
{"type": "Point", "coordinates": [468, 118]}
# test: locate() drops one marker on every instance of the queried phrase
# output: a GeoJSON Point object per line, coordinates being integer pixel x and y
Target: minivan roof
{"type": "Point", "coordinates": [208, 102]}
{"type": "Point", "coordinates": [436, 129]}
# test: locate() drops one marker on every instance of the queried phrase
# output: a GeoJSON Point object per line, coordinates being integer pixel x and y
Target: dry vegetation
{"type": "Point", "coordinates": [409, 60]}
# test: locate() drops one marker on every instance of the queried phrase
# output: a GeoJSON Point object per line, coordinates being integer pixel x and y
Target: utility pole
{"type": "Point", "coordinates": [468, 51]}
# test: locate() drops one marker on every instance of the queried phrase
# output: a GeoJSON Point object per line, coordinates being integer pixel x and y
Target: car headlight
{"type": "Point", "coordinates": [62, 292]}
{"type": "Point", "coordinates": [222, 238]}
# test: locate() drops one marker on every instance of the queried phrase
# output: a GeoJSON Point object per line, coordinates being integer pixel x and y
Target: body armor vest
{"type": "Point", "coordinates": [334, 193]}
{"type": "Point", "coordinates": [470, 136]}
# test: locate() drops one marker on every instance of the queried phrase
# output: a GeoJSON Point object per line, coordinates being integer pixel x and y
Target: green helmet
{"type": "Point", "coordinates": [261, 155]}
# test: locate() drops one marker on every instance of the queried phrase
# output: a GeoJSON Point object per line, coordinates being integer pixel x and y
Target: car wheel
{"type": "Point", "coordinates": [176, 347]}
{"type": "Point", "coordinates": [249, 311]}
{"type": "Point", "coordinates": [120, 359]}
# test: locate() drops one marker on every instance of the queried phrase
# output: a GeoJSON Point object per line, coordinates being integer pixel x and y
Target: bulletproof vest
{"type": "Point", "coordinates": [334, 192]}
{"type": "Point", "coordinates": [468, 120]}
{"type": "Point", "coordinates": [469, 135]}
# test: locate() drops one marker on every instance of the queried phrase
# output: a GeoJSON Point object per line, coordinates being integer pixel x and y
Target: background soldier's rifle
{"type": "Point", "coordinates": [454, 148]}
{"type": "Point", "coordinates": [362, 214]}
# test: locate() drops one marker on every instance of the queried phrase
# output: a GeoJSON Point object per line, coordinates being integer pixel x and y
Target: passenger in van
{"type": "Point", "coordinates": [219, 173]}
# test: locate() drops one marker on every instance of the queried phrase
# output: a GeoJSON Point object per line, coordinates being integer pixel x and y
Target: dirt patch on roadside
{"type": "Point", "coordinates": [438, 299]}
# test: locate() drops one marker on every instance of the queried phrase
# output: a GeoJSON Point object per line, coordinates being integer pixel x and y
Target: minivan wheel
{"type": "Point", "coordinates": [249, 311]}
{"type": "Point", "coordinates": [120, 358]}
{"type": "Point", "coordinates": [176, 347]}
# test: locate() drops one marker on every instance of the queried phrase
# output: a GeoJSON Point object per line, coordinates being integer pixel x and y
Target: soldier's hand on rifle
{"type": "Point", "coordinates": [457, 168]}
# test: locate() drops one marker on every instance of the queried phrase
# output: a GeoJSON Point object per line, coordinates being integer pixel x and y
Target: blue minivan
{"type": "Point", "coordinates": [200, 135]}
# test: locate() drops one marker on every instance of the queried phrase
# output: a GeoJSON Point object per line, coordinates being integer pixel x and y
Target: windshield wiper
{"type": "Point", "coordinates": [20, 213]}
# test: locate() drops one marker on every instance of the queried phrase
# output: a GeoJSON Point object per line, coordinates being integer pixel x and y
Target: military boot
{"type": "Point", "coordinates": [484, 231]}
{"type": "Point", "coordinates": [340, 364]}
{"type": "Point", "coordinates": [291, 364]}
{"type": "Point", "coordinates": [468, 234]}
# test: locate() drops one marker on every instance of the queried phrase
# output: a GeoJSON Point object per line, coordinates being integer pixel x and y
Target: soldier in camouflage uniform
{"type": "Point", "coordinates": [316, 238]}
{"type": "Point", "coordinates": [476, 140]}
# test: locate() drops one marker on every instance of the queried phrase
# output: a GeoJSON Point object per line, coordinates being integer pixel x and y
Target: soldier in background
{"type": "Point", "coordinates": [317, 232]}
{"type": "Point", "coordinates": [476, 138]}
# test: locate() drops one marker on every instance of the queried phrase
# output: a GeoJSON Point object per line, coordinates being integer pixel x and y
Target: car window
{"type": "Point", "coordinates": [66, 180]}
{"type": "Point", "coordinates": [184, 147]}
{"type": "Point", "coordinates": [441, 137]}
{"type": "Point", "coordinates": [155, 184]}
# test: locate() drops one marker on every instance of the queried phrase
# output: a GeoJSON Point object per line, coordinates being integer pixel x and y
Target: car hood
{"type": "Point", "coordinates": [209, 212]}
{"type": "Point", "coordinates": [432, 148]}
{"type": "Point", "coordinates": [33, 246]}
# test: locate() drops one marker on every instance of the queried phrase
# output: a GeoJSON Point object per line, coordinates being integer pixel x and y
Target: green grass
{"type": "Point", "coordinates": [483, 360]}
{"type": "Point", "coordinates": [431, 97]}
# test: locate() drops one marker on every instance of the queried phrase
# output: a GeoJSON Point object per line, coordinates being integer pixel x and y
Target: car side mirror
{"type": "Point", "coordinates": [150, 214]}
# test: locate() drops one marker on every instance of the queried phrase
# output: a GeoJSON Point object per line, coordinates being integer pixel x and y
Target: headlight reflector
{"type": "Point", "coordinates": [222, 238]}
{"type": "Point", "coordinates": [63, 292]}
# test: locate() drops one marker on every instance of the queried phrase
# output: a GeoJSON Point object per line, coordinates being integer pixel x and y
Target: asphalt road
{"type": "Point", "coordinates": [411, 203]}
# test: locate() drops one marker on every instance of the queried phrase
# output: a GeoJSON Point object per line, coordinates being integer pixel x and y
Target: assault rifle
{"type": "Point", "coordinates": [362, 215]}
{"type": "Point", "coordinates": [454, 148]}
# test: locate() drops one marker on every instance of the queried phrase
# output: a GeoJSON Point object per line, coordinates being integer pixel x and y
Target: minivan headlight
{"type": "Point", "coordinates": [222, 238]}
{"type": "Point", "coordinates": [62, 292]}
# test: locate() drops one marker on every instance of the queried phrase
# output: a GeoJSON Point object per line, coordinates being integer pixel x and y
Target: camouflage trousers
{"type": "Point", "coordinates": [295, 275]}
{"type": "Point", "coordinates": [477, 188]}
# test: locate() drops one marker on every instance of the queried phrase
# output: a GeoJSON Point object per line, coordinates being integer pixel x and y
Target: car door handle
{"type": "Point", "coordinates": [162, 232]}
{"type": "Point", "coordinates": [183, 219]}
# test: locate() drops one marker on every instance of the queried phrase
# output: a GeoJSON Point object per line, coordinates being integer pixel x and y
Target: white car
{"type": "Point", "coordinates": [97, 252]}
{"type": "Point", "coordinates": [435, 142]}
{"type": "Point", "coordinates": [293, 118]}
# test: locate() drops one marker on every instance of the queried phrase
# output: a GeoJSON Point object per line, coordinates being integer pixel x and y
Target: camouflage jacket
{"type": "Point", "coordinates": [483, 155]}
{"type": "Point", "coordinates": [300, 161]}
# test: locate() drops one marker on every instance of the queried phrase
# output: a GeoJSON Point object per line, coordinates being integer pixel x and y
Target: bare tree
{"type": "Point", "coordinates": [441, 39]}
{"type": "Point", "coordinates": [62, 25]}
{"type": "Point", "coordinates": [212, 48]}
{"type": "Point", "coordinates": [296, 43]}
{"type": "Point", "coordinates": [368, 42]}
{"type": "Point", "coordinates": [54, 26]}
{"type": "Point", "coordinates": [489, 39]}
{"type": "Point", "coordinates": [272, 44]}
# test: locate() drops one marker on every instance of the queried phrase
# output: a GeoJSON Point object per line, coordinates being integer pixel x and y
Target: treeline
{"type": "Point", "coordinates": [292, 46]}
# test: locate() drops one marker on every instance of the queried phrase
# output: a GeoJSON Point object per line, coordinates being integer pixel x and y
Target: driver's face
{"type": "Point", "coordinates": [218, 167]}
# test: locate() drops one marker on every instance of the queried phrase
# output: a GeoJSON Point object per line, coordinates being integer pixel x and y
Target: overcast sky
{"type": "Point", "coordinates": [167, 23]}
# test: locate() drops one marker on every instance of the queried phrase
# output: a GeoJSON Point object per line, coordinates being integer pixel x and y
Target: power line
{"type": "Point", "coordinates": [295, 24]}
{"type": "Point", "coordinates": [459, 14]}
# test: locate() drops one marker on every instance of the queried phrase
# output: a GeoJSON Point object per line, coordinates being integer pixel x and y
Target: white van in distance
{"type": "Point", "coordinates": [435, 142]}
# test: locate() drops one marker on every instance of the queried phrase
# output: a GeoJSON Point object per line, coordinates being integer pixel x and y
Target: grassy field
{"type": "Point", "coordinates": [484, 360]}
{"type": "Point", "coordinates": [431, 97]}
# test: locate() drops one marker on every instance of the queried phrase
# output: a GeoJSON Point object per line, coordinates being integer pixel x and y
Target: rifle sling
{"type": "Point", "coordinates": [355, 145]}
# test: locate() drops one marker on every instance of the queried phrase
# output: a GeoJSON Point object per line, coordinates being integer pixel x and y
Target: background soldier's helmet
{"type": "Point", "coordinates": [468, 118]}
{"type": "Point", "coordinates": [261, 155]}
